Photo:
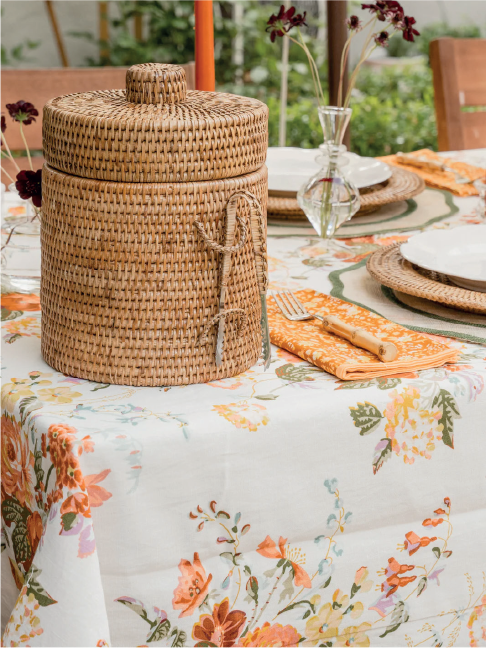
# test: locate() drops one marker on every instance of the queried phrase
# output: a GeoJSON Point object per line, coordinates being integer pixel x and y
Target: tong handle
{"type": "Point", "coordinates": [386, 351]}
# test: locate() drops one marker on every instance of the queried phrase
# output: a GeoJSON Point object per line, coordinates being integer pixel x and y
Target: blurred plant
{"type": "Point", "coordinates": [169, 35]}
{"type": "Point", "coordinates": [16, 54]}
{"type": "Point", "coordinates": [393, 110]}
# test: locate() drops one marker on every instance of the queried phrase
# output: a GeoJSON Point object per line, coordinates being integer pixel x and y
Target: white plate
{"type": "Point", "coordinates": [459, 253]}
{"type": "Point", "coordinates": [289, 168]}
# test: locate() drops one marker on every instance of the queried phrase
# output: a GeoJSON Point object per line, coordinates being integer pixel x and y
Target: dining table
{"type": "Point", "coordinates": [283, 507]}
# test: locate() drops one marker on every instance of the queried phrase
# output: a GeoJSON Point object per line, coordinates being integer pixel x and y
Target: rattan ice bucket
{"type": "Point", "coordinates": [154, 198]}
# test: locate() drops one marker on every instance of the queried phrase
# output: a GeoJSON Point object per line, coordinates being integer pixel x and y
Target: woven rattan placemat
{"type": "Point", "coordinates": [355, 285]}
{"type": "Point", "coordinates": [389, 268]}
{"type": "Point", "coordinates": [431, 206]}
{"type": "Point", "coordinates": [401, 186]}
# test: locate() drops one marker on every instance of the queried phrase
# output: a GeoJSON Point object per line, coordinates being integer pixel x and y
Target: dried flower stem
{"type": "Point", "coordinates": [26, 146]}
{"type": "Point", "coordinates": [9, 154]}
{"type": "Point", "coordinates": [313, 67]}
{"type": "Point", "coordinates": [4, 170]}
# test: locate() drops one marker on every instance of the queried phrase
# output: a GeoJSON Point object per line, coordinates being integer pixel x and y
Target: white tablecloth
{"type": "Point", "coordinates": [269, 509]}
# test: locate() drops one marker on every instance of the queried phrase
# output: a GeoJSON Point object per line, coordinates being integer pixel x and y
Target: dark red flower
{"type": "Point", "coordinates": [22, 111]}
{"type": "Point", "coordinates": [281, 23]}
{"type": "Point", "coordinates": [381, 39]}
{"type": "Point", "coordinates": [396, 18]}
{"type": "Point", "coordinates": [353, 23]}
{"type": "Point", "coordinates": [384, 9]}
{"type": "Point", "coordinates": [29, 185]}
{"type": "Point", "coordinates": [408, 31]}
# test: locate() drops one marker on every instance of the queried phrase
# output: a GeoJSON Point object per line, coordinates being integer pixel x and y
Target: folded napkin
{"type": "Point", "coordinates": [442, 179]}
{"type": "Point", "coordinates": [336, 355]}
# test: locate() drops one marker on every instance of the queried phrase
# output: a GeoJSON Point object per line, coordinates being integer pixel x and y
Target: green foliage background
{"type": "Point", "coordinates": [393, 109]}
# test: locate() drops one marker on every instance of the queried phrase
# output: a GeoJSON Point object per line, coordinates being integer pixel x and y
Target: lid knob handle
{"type": "Point", "coordinates": [156, 83]}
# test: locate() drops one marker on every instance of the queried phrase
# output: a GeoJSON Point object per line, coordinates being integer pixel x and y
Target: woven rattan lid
{"type": "Point", "coordinates": [155, 131]}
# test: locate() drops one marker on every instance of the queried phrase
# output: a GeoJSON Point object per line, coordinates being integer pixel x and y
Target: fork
{"type": "Point", "coordinates": [295, 311]}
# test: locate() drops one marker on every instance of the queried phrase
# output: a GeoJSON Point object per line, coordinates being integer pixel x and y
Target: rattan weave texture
{"type": "Point", "coordinates": [155, 131]}
{"type": "Point", "coordinates": [130, 286]}
{"type": "Point", "coordinates": [389, 268]}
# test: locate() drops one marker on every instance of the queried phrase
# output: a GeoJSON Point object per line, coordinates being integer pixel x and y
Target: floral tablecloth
{"type": "Point", "coordinates": [271, 509]}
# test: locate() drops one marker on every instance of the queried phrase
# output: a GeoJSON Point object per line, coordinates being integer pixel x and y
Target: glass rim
{"type": "Point", "coordinates": [334, 109]}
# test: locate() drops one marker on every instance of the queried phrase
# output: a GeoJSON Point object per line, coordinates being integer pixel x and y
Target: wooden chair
{"type": "Point", "coordinates": [459, 69]}
{"type": "Point", "coordinates": [38, 86]}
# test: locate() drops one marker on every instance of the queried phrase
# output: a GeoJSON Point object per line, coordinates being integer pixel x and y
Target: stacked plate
{"type": "Point", "coordinates": [444, 266]}
{"type": "Point", "coordinates": [379, 184]}
{"type": "Point", "coordinates": [289, 168]}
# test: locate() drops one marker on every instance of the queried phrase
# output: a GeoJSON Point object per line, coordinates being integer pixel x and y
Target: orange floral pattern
{"type": "Point", "coordinates": [221, 628]}
{"type": "Point", "coordinates": [193, 587]}
{"type": "Point", "coordinates": [271, 635]}
{"type": "Point", "coordinates": [321, 615]}
{"type": "Point", "coordinates": [17, 462]}
{"type": "Point", "coordinates": [268, 548]}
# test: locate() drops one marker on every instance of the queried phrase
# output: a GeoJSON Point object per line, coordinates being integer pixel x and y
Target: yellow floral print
{"type": "Point", "coordinates": [58, 395]}
{"type": "Point", "coordinates": [27, 327]}
{"type": "Point", "coordinates": [354, 636]}
{"type": "Point", "coordinates": [244, 415]}
{"type": "Point", "coordinates": [325, 625]}
{"type": "Point", "coordinates": [23, 619]}
{"type": "Point", "coordinates": [413, 430]}
{"type": "Point", "coordinates": [13, 391]}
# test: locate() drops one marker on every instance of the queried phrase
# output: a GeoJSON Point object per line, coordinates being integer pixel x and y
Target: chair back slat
{"type": "Point", "coordinates": [459, 71]}
{"type": "Point", "coordinates": [38, 86]}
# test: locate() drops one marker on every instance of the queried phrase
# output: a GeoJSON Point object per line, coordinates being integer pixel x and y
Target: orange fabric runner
{"type": "Point", "coordinates": [336, 355]}
{"type": "Point", "coordinates": [442, 179]}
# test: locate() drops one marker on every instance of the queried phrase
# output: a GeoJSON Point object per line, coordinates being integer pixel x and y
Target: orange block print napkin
{"type": "Point", "coordinates": [336, 355]}
{"type": "Point", "coordinates": [442, 179]}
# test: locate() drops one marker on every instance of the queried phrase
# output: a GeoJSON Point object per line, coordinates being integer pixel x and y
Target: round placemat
{"type": "Point", "coordinates": [389, 268]}
{"type": "Point", "coordinates": [401, 186]}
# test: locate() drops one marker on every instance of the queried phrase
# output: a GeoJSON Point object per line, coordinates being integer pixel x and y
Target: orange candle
{"type": "Point", "coordinates": [203, 10]}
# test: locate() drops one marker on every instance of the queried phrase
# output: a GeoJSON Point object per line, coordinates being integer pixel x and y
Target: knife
{"type": "Point", "coordinates": [225, 271]}
{"type": "Point", "coordinates": [260, 250]}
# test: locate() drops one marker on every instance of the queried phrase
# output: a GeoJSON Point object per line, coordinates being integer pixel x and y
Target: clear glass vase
{"type": "Point", "coordinates": [328, 198]}
{"type": "Point", "coordinates": [21, 248]}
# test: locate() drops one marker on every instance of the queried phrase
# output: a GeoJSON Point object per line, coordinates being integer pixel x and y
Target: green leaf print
{"type": "Point", "coordinates": [446, 403]}
{"type": "Point", "coordinates": [180, 637]}
{"type": "Point", "coordinates": [436, 551]}
{"type": "Point", "coordinates": [294, 373]}
{"type": "Point", "coordinates": [399, 616]}
{"type": "Point", "coordinates": [161, 631]}
{"type": "Point", "coordinates": [68, 519]}
{"type": "Point", "coordinates": [267, 397]}
{"type": "Point", "coordinates": [39, 473]}
{"type": "Point", "coordinates": [383, 452]}
{"type": "Point", "coordinates": [381, 383]}
{"type": "Point", "coordinates": [34, 587]}
{"type": "Point", "coordinates": [296, 604]}
{"type": "Point", "coordinates": [366, 416]}
{"type": "Point", "coordinates": [20, 542]}
{"type": "Point", "coordinates": [10, 315]}
{"type": "Point", "coordinates": [387, 383]}
{"type": "Point", "coordinates": [13, 511]}
{"type": "Point", "coordinates": [422, 585]}
{"type": "Point", "coordinates": [28, 405]}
